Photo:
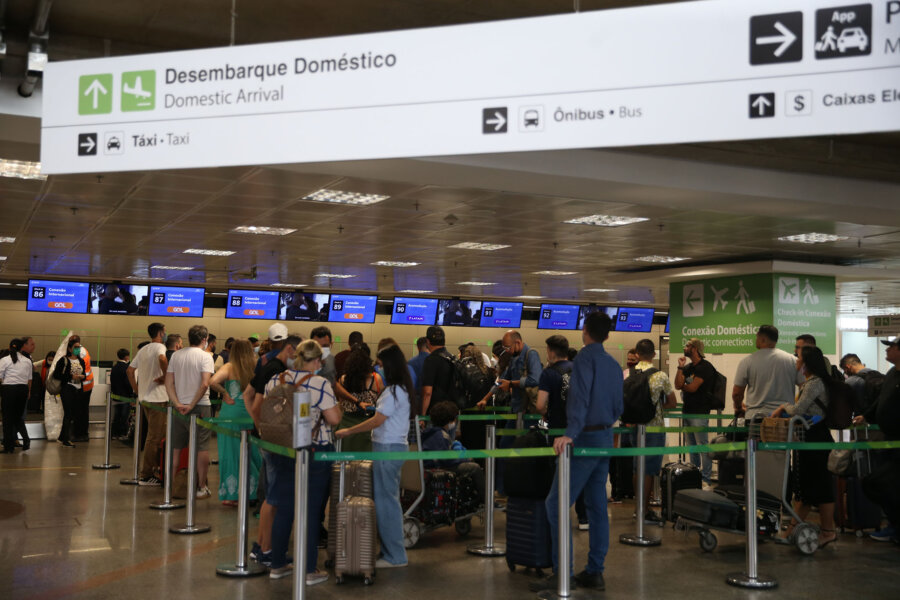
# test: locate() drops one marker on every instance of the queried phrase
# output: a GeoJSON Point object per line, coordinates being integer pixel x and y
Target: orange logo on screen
{"type": "Point", "coordinates": [60, 305]}
{"type": "Point", "coordinates": [353, 316]}
{"type": "Point", "coordinates": [178, 309]}
{"type": "Point", "coordinates": [254, 312]}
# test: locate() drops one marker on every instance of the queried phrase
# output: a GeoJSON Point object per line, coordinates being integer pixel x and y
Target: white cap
{"type": "Point", "coordinates": [278, 332]}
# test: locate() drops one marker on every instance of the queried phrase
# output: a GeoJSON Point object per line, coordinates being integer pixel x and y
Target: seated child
{"type": "Point", "coordinates": [441, 435]}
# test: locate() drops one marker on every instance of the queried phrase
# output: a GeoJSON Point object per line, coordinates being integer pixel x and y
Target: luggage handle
{"type": "Point", "coordinates": [343, 468]}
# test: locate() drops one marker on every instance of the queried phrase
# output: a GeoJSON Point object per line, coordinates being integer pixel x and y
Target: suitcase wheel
{"type": "Point", "coordinates": [708, 541]}
{"type": "Point", "coordinates": [859, 533]}
{"type": "Point", "coordinates": [412, 531]}
{"type": "Point", "coordinates": [369, 580]}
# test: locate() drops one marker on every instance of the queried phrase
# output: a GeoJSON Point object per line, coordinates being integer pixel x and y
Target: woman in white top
{"type": "Point", "coordinates": [390, 428]}
{"type": "Point", "coordinates": [70, 370]}
{"type": "Point", "coordinates": [16, 370]}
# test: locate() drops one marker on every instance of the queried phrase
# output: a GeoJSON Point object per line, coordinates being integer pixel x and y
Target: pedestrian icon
{"type": "Point", "coordinates": [692, 300]}
{"type": "Point", "coordinates": [844, 31]}
{"type": "Point", "coordinates": [809, 294]}
{"type": "Point", "coordinates": [789, 290]}
{"type": "Point", "coordinates": [494, 120]}
{"type": "Point", "coordinates": [776, 38]}
{"type": "Point", "coordinates": [87, 144]}
{"type": "Point", "coordinates": [762, 105]}
{"type": "Point", "coordinates": [138, 90]}
{"type": "Point", "coordinates": [95, 94]}
{"type": "Point", "coordinates": [744, 301]}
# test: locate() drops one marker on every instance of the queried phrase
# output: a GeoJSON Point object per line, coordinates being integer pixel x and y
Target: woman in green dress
{"type": "Point", "coordinates": [230, 381]}
{"type": "Point", "coordinates": [362, 386]}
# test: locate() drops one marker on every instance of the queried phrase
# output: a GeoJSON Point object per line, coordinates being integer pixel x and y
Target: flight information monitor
{"type": "Point", "coordinates": [414, 311]}
{"type": "Point", "coordinates": [57, 296]}
{"type": "Point", "coordinates": [501, 314]}
{"type": "Point", "coordinates": [459, 313]}
{"type": "Point", "coordinates": [118, 299]}
{"type": "Point", "coordinates": [303, 306]}
{"type": "Point", "coordinates": [587, 309]}
{"type": "Point", "coordinates": [558, 316]}
{"type": "Point", "coordinates": [168, 301]}
{"type": "Point", "coordinates": [639, 320]}
{"type": "Point", "coordinates": [348, 308]}
{"type": "Point", "coordinates": [252, 304]}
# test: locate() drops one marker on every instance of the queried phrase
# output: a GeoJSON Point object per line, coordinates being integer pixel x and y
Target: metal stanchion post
{"type": "Point", "coordinates": [751, 579]}
{"type": "Point", "coordinates": [106, 465]}
{"type": "Point", "coordinates": [167, 503]}
{"type": "Point", "coordinates": [241, 568]}
{"type": "Point", "coordinates": [190, 526]}
{"type": "Point", "coordinates": [564, 570]}
{"type": "Point", "coordinates": [520, 420]}
{"type": "Point", "coordinates": [489, 548]}
{"type": "Point", "coordinates": [138, 418]}
{"type": "Point", "coordinates": [638, 538]}
{"type": "Point", "coordinates": [301, 515]}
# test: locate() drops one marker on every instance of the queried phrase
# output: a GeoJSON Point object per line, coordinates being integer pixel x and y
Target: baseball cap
{"type": "Point", "coordinates": [696, 343]}
{"type": "Point", "coordinates": [278, 332]}
{"type": "Point", "coordinates": [893, 342]}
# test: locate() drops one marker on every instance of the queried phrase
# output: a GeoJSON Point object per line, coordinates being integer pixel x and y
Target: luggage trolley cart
{"type": "Point", "coordinates": [769, 505]}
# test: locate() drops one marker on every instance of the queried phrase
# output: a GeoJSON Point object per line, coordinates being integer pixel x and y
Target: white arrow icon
{"type": "Point", "coordinates": [786, 38]}
{"type": "Point", "coordinates": [89, 144]}
{"type": "Point", "coordinates": [760, 104]}
{"type": "Point", "coordinates": [498, 121]}
{"type": "Point", "coordinates": [96, 88]}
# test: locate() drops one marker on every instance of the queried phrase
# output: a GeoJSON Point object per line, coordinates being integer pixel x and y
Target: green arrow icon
{"type": "Point", "coordinates": [95, 94]}
{"type": "Point", "coordinates": [691, 299]}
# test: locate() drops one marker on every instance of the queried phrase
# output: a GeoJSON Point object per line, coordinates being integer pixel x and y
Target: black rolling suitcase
{"type": "Point", "coordinates": [528, 541]}
{"type": "Point", "coordinates": [708, 507]}
{"type": "Point", "coordinates": [674, 477]}
{"type": "Point", "coordinates": [529, 477]}
{"type": "Point", "coordinates": [731, 471]}
{"type": "Point", "coordinates": [738, 494]}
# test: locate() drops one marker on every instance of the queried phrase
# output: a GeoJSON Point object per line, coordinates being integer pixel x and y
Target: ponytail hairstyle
{"type": "Point", "coordinates": [15, 346]}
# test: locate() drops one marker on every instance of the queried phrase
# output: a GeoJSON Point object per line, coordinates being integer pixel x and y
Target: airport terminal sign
{"type": "Point", "coordinates": [726, 312]}
{"type": "Point", "coordinates": [670, 73]}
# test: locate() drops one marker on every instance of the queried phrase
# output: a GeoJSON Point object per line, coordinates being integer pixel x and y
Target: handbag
{"type": "Point", "coordinates": [276, 415]}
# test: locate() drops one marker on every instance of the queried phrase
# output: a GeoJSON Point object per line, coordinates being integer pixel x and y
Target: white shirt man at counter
{"type": "Point", "coordinates": [765, 379]}
{"type": "Point", "coordinates": [147, 375]}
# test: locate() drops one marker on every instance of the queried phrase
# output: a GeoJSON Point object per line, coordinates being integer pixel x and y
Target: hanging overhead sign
{"type": "Point", "coordinates": [671, 73]}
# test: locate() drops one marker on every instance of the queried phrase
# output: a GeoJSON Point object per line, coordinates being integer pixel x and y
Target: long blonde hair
{"type": "Point", "coordinates": [242, 361]}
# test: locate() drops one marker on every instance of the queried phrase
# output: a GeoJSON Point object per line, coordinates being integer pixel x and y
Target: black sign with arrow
{"type": "Point", "coordinates": [87, 144]}
{"type": "Point", "coordinates": [494, 120]}
{"type": "Point", "coordinates": [776, 38]}
{"type": "Point", "coordinates": [762, 105]}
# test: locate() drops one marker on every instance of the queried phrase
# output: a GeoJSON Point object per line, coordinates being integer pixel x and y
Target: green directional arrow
{"type": "Point", "coordinates": [691, 299]}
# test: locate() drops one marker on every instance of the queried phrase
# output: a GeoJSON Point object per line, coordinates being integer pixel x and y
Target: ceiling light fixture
{"type": "Point", "coordinates": [205, 252]}
{"type": "Point", "coordinates": [145, 278]}
{"type": "Point", "coordinates": [554, 273]}
{"type": "Point", "coordinates": [606, 220]}
{"type": "Point", "coordinates": [263, 230]}
{"type": "Point", "coordinates": [2, 258]}
{"type": "Point", "coordinates": [479, 246]}
{"type": "Point", "coordinates": [394, 263]}
{"type": "Point", "coordinates": [415, 291]}
{"type": "Point", "coordinates": [339, 197]}
{"type": "Point", "coordinates": [171, 268]}
{"type": "Point", "coordinates": [656, 258]}
{"type": "Point", "coordinates": [290, 285]}
{"type": "Point", "coordinates": [601, 290]}
{"type": "Point", "coordinates": [632, 301]}
{"type": "Point", "coordinates": [7, 240]}
{"type": "Point", "coordinates": [334, 275]}
{"type": "Point", "coordinates": [21, 169]}
{"type": "Point", "coordinates": [477, 283]}
{"type": "Point", "coordinates": [813, 238]}
{"type": "Point", "coordinates": [530, 297]}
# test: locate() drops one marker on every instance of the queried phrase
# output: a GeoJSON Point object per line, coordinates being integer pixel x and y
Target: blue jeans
{"type": "Point", "coordinates": [280, 493]}
{"type": "Point", "coordinates": [699, 459]}
{"type": "Point", "coordinates": [388, 512]}
{"type": "Point", "coordinates": [588, 475]}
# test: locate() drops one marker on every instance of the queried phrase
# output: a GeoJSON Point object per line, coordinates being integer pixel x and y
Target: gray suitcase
{"type": "Point", "coordinates": [358, 483]}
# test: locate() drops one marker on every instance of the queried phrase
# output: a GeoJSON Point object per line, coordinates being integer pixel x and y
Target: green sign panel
{"type": "Point", "coordinates": [726, 312]}
{"type": "Point", "coordinates": [95, 94]}
{"type": "Point", "coordinates": [138, 90]}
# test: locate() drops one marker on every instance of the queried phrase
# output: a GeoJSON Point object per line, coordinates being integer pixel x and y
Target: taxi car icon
{"type": "Point", "coordinates": [853, 37]}
{"type": "Point", "coordinates": [113, 143]}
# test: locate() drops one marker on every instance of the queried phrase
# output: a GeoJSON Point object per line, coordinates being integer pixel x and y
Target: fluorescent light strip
{"type": "Point", "coordinates": [21, 169]}
{"type": "Point", "coordinates": [477, 283]}
{"type": "Point", "coordinates": [530, 297]}
{"type": "Point", "coordinates": [813, 238]}
{"type": "Point", "coordinates": [393, 263]}
{"type": "Point", "coordinates": [415, 292]}
{"type": "Point", "coordinates": [263, 230]}
{"type": "Point", "coordinates": [205, 252]}
{"type": "Point", "coordinates": [339, 197]}
{"type": "Point", "coordinates": [171, 268]}
{"type": "Point", "coordinates": [334, 275]}
{"type": "Point", "coordinates": [479, 246]}
{"type": "Point", "coordinates": [145, 278]}
{"type": "Point", "coordinates": [7, 240]}
{"type": "Point", "coordinates": [290, 285]}
{"type": "Point", "coordinates": [601, 290]}
{"type": "Point", "coordinates": [554, 273]}
{"type": "Point", "coordinates": [656, 258]}
{"type": "Point", "coordinates": [632, 301]}
{"type": "Point", "coordinates": [606, 220]}
{"type": "Point", "coordinates": [2, 258]}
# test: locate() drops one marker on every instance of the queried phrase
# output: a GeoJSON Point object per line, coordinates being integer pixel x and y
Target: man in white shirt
{"type": "Point", "coordinates": [767, 376]}
{"type": "Point", "coordinates": [187, 385]}
{"type": "Point", "coordinates": [147, 375]}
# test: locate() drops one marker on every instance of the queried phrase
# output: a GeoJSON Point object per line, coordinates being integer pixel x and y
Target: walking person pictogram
{"type": "Point", "coordinates": [743, 298]}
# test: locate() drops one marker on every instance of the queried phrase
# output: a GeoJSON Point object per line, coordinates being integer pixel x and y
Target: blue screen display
{"type": "Point", "coordinates": [251, 304]}
{"type": "Point", "coordinates": [414, 311]}
{"type": "Point", "coordinates": [167, 301]}
{"type": "Point", "coordinates": [57, 296]}
{"type": "Point", "coordinates": [558, 316]}
{"type": "Point", "coordinates": [634, 319]}
{"type": "Point", "coordinates": [668, 321]}
{"type": "Point", "coordinates": [347, 308]}
{"type": "Point", "coordinates": [501, 314]}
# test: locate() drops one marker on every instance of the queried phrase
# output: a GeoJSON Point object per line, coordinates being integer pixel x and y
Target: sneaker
{"type": "Point", "coordinates": [255, 551]}
{"type": "Point", "coordinates": [316, 577]}
{"type": "Point", "coordinates": [265, 558]}
{"type": "Point", "coordinates": [279, 572]}
{"type": "Point", "coordinates": [583, 525]}
{"type": "Point", "coordinates": [592, 581]}
{"type": "Point", "coordinates": [149, 482]}
{"type": "Point", "coordinates": [382, 563]}
{"type": "Point", "coordinates": [884, 535]}
{"type": "Point", "coordinates": [551, 582]}
{"type": "Point", "coordinates": [67, 444]}
{"type": "Point", "coordinates": [614, 500]}
{"type": "Point", "coordinates": [203, 493]}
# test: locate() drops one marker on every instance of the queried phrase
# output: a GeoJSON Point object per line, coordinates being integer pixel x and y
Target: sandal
{"type": "Point", "coordinates": [229, 502]}
{"type": "Point", "coordinates": [825, 532]}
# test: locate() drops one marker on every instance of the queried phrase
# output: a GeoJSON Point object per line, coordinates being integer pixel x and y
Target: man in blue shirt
{"type": "Point", "coordinates": [593, 406]}
{"type": "Point", "coordinates": [417, 363]}
{"type": "Point", "coordinates": [524, 371]}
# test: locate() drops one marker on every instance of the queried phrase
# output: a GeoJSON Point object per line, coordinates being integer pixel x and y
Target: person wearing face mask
{"type": "Point", "coordinates": [323, 336]}
{"type": "Point", "coordinates": [523, 372]}
{"type": "Point", "coordinates": [442, 436]}
{"type": "Point", "coordinates": [696, 380]}
{"type": "Point", "coordinates": [70, 371]}
{"type": "Point", "coordinates": [147, 375]}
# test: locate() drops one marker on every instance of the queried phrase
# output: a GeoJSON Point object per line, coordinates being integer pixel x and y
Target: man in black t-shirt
{"type": "Point", "coordinates": [696, 379]}
{"type": "Point", "coordinates": [437, 370]}
{"type": "Point", "coordinates": [550, 385]}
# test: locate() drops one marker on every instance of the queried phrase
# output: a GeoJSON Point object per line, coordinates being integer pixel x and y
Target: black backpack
{"type": "Point", "coordinates": [477, 384]}
{"type": "Point", "coordinates": [873, 383]}
{"type": "Point", "coordinates": [839, 411]}
{"type": "Point", "coordinates": [719, 390]}
{"type": "Point", "coordinates": [639, 405]}
{"type": "Point", "coordinates": [456, 391]}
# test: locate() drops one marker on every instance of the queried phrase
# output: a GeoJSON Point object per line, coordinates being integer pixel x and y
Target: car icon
{"type": "Point", "coordinates": [113, 143]}
{"type": "Point", "coordinates": [853, 37]}
{"type": "Point", "coordinates": [532, 118]}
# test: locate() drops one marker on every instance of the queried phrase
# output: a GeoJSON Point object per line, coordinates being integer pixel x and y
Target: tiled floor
{"type": "Point", "coordinates": [83, 535]}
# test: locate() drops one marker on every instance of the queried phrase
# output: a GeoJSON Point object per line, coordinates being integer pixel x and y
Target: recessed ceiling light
{"type": "Point", "coordinates": [7, 240]}
{"type": "Point", "coordinates": [290, 285]}
{"type": "Point", "coordinates": [813, 238]}
{"type": "Point", "coordinates": [394, 263]}
{"type": "Point", "coordinates": [606, 220]}
{"type": "Point", "coordinates": [478, 246]}
{"type": "Point", "coordinates": [171, 268]}
{"type": "Point", "coordinates": [206, 252]}
{"type": "Point", "coordinates": [479, 283]}
{"type": "Point", "coordinates": [5, 283]}
{"type": "Point", "coordinates": [530, 297]}
{"type": "Point", "coordinates": [21, 169]}
{"type": "Point", "coordinates": [415, 291]}
{"type": "Point", "coordinates": [656, 258]}
{"type": "Point", "coordinates": [339, 197]}
{"type": "Point", "coordinates": [2, 258]}
{"type": "Point", "coordinates": [632, 301]}
{"type": "Point", "coordinates": [554, 273]}
{"type": "Point", "coordinates": [218, 293]}
{"type": "Point", "coordinates": [21, 285]}
{"type": "Point", "coordinates": [263, 230]}
{"type": "Point", "coordinates": [601, 290]}
{"type": "Point", "coordinates": [334, 275]}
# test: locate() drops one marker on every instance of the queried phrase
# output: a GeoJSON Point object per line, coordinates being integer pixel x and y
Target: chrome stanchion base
{"type": "Point", "coordinates": [129, 481]}
{"type": "Point", "coordinates": [630, 539]}
{"type": "Point", "coordinates": [188, 529]}
{"type": "Point", "coordinates": [106, 467]}
{"type": "Point", "coordinates": [483, 550]}
{"type": "Point", "coordinates": [166, 505]}
{"type": "Point", "coordinates": [576, 593]}
{"type": "Point", "coordinates": [251, 569]}
{"type": "Point", "coordinates": [756, 583]}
